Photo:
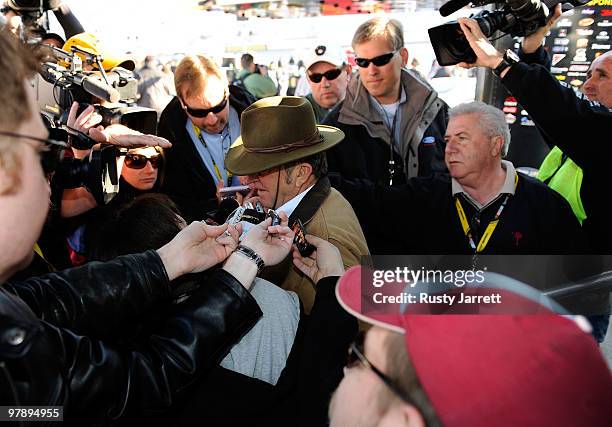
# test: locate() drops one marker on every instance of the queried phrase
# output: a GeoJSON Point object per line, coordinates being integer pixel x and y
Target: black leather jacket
{"type": "Point", "coordinates": [50, 352]}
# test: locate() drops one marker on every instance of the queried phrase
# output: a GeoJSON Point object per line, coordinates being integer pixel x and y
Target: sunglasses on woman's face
{"type": "Point", "coordinates": [138, 161]}
{"type": "Point", "coordinates": [379, 60]}
{"type": "Point", "coordinates": [329, 75]}
{"type": "Point", "coordinates": [203, 112]}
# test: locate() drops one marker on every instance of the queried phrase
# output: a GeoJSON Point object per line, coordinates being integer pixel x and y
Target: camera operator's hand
{"type": "Point", "coordinates": [533, 42]}
{"type": "Point", "coordinates": [123, 136]}
{"type": "Point", "coordinates": [486, 54]}
{"type": "Point", "coordinates": [325, 261]}
{"type": "Point", "coordinates": [82, 123]}
{"type": "Point", "coordinates": [51, 4]}
{"type": "Point", "coordinates": [197, 247]}
{"type": "Point", "coordinates": [87, 122]}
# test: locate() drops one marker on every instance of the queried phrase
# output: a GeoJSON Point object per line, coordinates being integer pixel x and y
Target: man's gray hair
{"type": "Point", "coordinates": [491, 120]}
{"type": "Point", "coordinates": [390, 29]}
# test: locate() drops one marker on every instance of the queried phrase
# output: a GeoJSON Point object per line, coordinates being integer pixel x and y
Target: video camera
{"type": "Point", "coordinates": [99, 172]}
{"type": "Point", "coordinates": [519, 18]}
{"type": "Point", "coordinates": [118, 87]}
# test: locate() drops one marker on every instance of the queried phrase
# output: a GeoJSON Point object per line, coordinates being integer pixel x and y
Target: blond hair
{"type": "Point", "coordinates": [18, 63]}
{"type": "Point", "coordinates": [191, 74]}
{"type": "Point", "coordinates": [389, 29]}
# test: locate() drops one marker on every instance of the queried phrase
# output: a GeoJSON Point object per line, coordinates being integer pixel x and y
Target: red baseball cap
{"type": "Point", "coordinates": [539, 369]}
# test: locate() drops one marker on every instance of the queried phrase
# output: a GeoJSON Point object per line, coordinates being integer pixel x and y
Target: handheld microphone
{"type": "Point", "coordinates": [453, 6]}
{"type": "Point", "coordinates": [100, 89]}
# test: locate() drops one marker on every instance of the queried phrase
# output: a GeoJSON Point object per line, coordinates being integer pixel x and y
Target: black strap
{"type": "Point", "coordinates": [563, 159]}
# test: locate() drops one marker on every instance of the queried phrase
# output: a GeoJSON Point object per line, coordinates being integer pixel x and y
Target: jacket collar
{"type": "Point", "coordinates": [357, 108]}
{"type": "Point", "coordinates": [311, 203]}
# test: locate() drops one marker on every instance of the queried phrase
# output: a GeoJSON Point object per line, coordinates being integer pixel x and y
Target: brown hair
{"type": "Point", "coordinates": [191, 73]}
{"type": "Point", "coordinates": [390, 29]}
{"type": "Point", "coordinates": [18, 63]}
{"type": "Point", "coordinates": [401, 371]}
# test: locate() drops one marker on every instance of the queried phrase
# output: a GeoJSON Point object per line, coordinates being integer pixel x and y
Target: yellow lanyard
{"type": "Point", "coordinates": [217, 171]}
{"type": "Point", "coordinates": [490, 228]}
{"type": "Point", "coordinates": [40, 254]}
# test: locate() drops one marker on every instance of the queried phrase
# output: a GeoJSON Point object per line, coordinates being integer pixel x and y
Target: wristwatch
{"type": "Point", "coordinates": [509, 59]}
{"type": "Point", "coordinates": [252, 255]}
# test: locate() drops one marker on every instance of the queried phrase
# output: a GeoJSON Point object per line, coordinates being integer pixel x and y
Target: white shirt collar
{"type": "Point", "coordinates": [290, 206]}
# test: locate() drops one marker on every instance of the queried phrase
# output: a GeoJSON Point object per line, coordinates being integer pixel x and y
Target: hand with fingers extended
{"type": "Point", "coordinates": [88, 122]}
{"type": "Point", "coordinates": [486, 54]}
{"type": "Point", "coordinates": [198, 247]}
{"type": "Point", "coordinates": [325, 261]}
{"type": "Point", "coordinates": [271, 243]}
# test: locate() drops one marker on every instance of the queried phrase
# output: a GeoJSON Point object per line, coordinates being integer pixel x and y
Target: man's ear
{"type": "Point", "coordinates": [404, 54]}
{"type": "Point", "coordinates": [304, 171]}
{"type": "Point", "coordinates": [10, 179]}
{"type": "Point", "coordinates": [497, 146]}
{"type": "Point", "coordinates": [349, 71]}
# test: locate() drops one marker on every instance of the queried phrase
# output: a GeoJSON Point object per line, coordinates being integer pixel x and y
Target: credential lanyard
{"type": "Point", "coordinates": [490, 228]}
{"type": "Point", "coordinates": [198, 132]}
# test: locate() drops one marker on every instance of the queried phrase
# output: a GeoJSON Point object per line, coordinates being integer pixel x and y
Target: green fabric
{"type": "Point", "coordinates": [566, 181]}
{"type": "Point", "coordinates": [242, 74]}
{"type": "Point", "coordinates": [319, 111]}
{"type": "Point", "coordinates": [260, 86]}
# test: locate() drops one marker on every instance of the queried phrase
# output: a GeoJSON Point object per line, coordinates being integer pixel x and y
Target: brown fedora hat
{"type": "Point", "coordinates": [275, 131]}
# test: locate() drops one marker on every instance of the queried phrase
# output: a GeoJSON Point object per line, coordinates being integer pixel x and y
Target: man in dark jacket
{"type": "Point", "coordinates": [557, 109]}
{"type": "Point", "coordinates": [202, 121]}
{"type": "Point", "coordinates": [50, 353]}
{"type": "Point", "coordinates": [393, 120]}
{"type": "Point", "coordinates": [576, 125]}
{"type": "Point", "coordinates": [486, 207]}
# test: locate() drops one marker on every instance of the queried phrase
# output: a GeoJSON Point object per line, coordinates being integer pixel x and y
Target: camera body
{"type": "Point", "coordinates": [519, 18]}
{"type": "Point", "coordinates": [117, 87]}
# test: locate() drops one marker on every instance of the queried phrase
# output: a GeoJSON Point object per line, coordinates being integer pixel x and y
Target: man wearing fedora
{"type": "Point", "coordinates": [281, 151]}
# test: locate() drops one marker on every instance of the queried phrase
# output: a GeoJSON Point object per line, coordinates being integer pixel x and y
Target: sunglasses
{"type": "Point", "coordinates": [329, 75]}
{"type": "Point", "coordinates": [379, 60]}
{"type": "Point", "coordinates": [51, 151]}
{"type": "Point", "coordinates": [139, 161]}
{"type": "Point", "coordinates": [203, 112]}
{"type": "Point", "coordinates": [356, 356]}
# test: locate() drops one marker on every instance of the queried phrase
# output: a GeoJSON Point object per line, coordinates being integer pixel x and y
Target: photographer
{"type": "Point", "coordinates": [30, 9]}
{"type": "Point", "coordinates": [45, 356]}
{"type": "Point", "coordinates": [573, 122]}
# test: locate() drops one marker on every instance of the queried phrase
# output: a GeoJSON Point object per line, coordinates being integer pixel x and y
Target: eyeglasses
{"type": "Point", "coordinates": [139, 161]}
{"type": "Point", "coordinates": [379, 60]}
{"type": "Point", "coordinates": [51, 151]}
{"type": "Point", "coordinates": [329, 75]}
{"type": "Point", "coordinates": [355, 355]}
{"type": "Point", "coordinates": [203, 112]}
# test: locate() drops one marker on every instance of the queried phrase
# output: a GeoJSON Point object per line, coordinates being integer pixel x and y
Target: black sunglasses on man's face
{"type": "Point", "coordinates": [51, 151]}
{"type": "Point", "coordinates": [332, 74]}
{"type": "Point", "coordinates": [379, 60]}
{"type": "Point", "coordinates": [203, 112]}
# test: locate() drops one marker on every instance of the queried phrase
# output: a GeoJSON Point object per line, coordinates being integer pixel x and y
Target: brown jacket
{"type": "Point", "coordinates": [325, 214]}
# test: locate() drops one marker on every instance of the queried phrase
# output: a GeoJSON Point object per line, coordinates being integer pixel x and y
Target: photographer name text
{"type": "Point", "coordinates": [425, 298]}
